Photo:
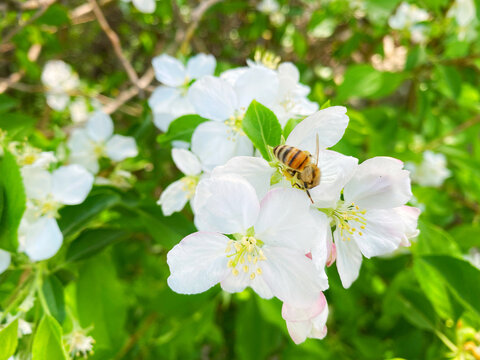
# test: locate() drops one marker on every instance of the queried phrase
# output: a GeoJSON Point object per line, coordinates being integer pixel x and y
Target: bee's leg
{"type": "Point", "coordinates": [308, 193]}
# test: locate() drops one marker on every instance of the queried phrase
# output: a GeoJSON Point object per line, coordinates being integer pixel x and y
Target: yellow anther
{"type": "Point", "coordinates": [235, 272]}
{"type": "Point", "coordinates": [242, 260]}
{"type": "Point", "coordinates": [230, 263]}
{"type": "Point", "coordinates": [238, 247]}
{"type": "Point", "coordinates": [245, 268]}
{"type": "Point", "coordinates": [228, 249]}
{"type": "Point", "coordinates": [362, 227]}
{"type": "Point", "coordinates": [259, 271]}
{"type": "Point", "coordinates": [252, 276]}
{"type": "Point", "coordinates": [255, 260]}
{"type": "Point", "coordinates": [360, 233]}
{"type": "Point", "coordinates": [353, 229]}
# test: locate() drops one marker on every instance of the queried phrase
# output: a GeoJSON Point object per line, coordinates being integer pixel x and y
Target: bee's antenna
{"type": "Point", "coordinates": [308, 193]}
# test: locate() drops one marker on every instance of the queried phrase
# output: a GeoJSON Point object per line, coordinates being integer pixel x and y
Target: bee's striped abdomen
{"type": "Point", "coordinates": [292, 157]}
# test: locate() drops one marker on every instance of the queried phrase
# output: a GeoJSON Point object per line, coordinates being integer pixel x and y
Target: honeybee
{"type": "Point", "coordinates": [299, 166]}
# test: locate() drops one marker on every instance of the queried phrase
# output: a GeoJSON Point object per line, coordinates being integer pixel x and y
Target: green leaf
{"type": "Point", "coordinates": [6, 103]}
{"type": "Point", "coordinates": [101, 302]}
{"type": "Point", "coordinates": [467, 236]}
{"type": "Point", "coordinates": [364, 81]}
{"type": "Point", "coordinates": [56, 15]}
{"type": "Point", "coordinates": [181, 129]}
{"type": "Point", "coordinates": [462, 278]}
{"type": "Point", "coordinates": [74, 218]}
{"type": "Point", "coordinates": [18, 125]}
{"type": "Point", "coordinates": [417, 309]}
{"type": "Point", "coordinates": [452, 78]}
{"type": "Point", "coordinates": [434, 240]}
{"type": "Point", "coordinates": [91, 242]}
{"type": "Point", "coordinates": [289, 126]}
{"type": "Point", "coordinates": [14, 201]}
{"type": "Point", "coordinates": [47, 344]}
{"type": "Point", "coordinates": [53, 292]}
{"type": "Point", "coordinates": [8, 340]}
{"type": "Point", "coordinates": [262, 127]}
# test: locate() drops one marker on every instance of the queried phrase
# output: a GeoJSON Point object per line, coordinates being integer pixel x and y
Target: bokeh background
{"type": "Point", "coordinates": [412, 89]}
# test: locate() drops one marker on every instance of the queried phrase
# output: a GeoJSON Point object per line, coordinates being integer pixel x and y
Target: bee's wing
{"type": "Point", "coordinates": [317, 150]}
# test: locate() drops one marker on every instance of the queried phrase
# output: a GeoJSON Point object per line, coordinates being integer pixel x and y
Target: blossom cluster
{"type": "Point", "coordinates": [259, 224]}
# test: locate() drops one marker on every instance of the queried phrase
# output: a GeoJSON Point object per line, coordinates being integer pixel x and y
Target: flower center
{"type": "Point", "coordinates": [189, 184]}
{"type": "Point", "coordinates": [349, 219]}
{"type": "Point", "coordinates": [245, 255]}
{"type": "Point", "coordinates": [99, 150]}
{"type": "Point", "coordinates": [267, 58]}
{"type": "Point", "coordinates": [48, 207]}
{"type": "Point", "coordinates": [235, 124]}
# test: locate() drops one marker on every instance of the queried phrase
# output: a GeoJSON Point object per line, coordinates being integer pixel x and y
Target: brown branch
{"type": "Point", "coordinates": [197, 15]}
{"type": "Point", "coordinates": [115, 40]}
{"type": "Point", "coordinates": [33, 54]}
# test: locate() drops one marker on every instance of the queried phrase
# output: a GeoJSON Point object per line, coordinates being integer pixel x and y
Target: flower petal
{"type": "Point", "coordinates": [41, 239]}
{"type": "Point", "coordinates": [169, 70]}
{"type": "Point", "coordinates": [5, 259]}
{"type": "Point", "coordinates": [299, 330]}
{"type": "Point", "coordinates": [186, 161]}
{"type": "Point", "coordinates": [257, 83]}
{"type": "Point", "coordinates": [100, 126]}
{"type": "Point", "coordinates": [57, 101]}
{"type": "Point", "coordinates": [284, 220]}
{"type": "Point", "coordinates": [349, 260]}
{"type": "Point", "coordinates": [71, 184]}
{"type": "Point", "coordinates": [213, 98]}
{"type": "Point", "coordinates": [121, 147]}
{"type": "Point", "coordinates": [37, 182]}
{"type": "Point", "coordinates": [255, 170]}
{"type": "Point", "coordinates": [145, 6]}
{"type": "Point", "coordinates": [173, 198]}
{"type": "Point", "coordinates": [409, 218]}
{"type": "Point", "coordinates": [383, 233]}
{"type": "Point", "coordinates": [201, 65]}
{"type": "Point", "coordinates": [336, 170]}
{"type": "Point", "coordinates": [197, 263]}
{"type": "Point", "coordinates": [162, 97]}
{"type": "Point", "coordinates": [291, 313]}
{"type": "Point", "coordinates": [215, 143]}
{"type": "Point", "coordinates": [379, 183]}
{"type": "Point", "coordinates": [329, 124]}
{"type": "Point", "coordinates": [228, 205]}
{"type": "Point", "coordinates": [290, 275]}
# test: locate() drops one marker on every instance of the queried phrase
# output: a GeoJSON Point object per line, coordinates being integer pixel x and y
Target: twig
{"type": "Point", "coordinates": [45, 5]}
{"type": "Point", "coordinates": [463, 126]}
{"type": "Point", "coordinates": [197, 15]}
{"type": "Point", "coordinates": [33, 54]}
{"type": "Point", "coordinates": [115, 40]}
{"type": "Point", "coordinates": [137, 335]}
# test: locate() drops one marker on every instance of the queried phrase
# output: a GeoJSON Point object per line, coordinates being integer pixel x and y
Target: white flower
{"type": "Point", "coordinates": [5, 259]}
{"type": "Point", "coordinates": [79, 344]}
{"type": "Point", "coordinates": [178, 193]}
{"type": "Point", "coordinates": [39, 238]}
{"type": "Point", "coordinates": [87, 145]}
{"type": "Point", "coordinates": [367, 220]}
{"type": "Point", "coordinates": [35, 158]}
{"type": "Point", "coordinates": [473, 257]}
{"type": "Point", "coordinates": [329, 124]}
{"type": "Point", "coordinates": [268, 6]}
{"type": "Point", "coordinates": [409, 218]}
{"type": "Point", "coordinates": [265, 250]}
{"type": "Point", "coordinates": [170, 100]}
{"type": "Point", "coordinates": [79, 110]}
{"type": "Point", "coordinates": [47, 192]}
{"type": "Point", "coordinates": [432, 171]}
{"type": "Point", "coordinates": [291, 101]}
{"type": "Point", "coordinates": [410, 17]}
{"type": "Point", "coordinates": [463, 11]}
{"type": "Point", "coordinates": [217, 141]}
{"type": "Point", "coordinates": [144, 6]}
{"type": "Point", "coordinates": [59, 79]}
{"type": "Point", "coordinates": [306, 322]}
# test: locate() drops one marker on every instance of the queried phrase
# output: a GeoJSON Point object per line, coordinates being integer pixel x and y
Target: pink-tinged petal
{"type": "Point", "coordinates": [257, 83]}
{"type": "Point", "coordinates": [215, 143]}
{"type": "Point", "coordinates": [349, 260]}
{"type": "Point", "coordinates": [213, 98]}
{"type": "Point", "coordinates": [186, 161]}
{"type": "Point", "coordinates": [121, 147]}
{"type": "Point", "coordinates": [322, 242]}
{"type": "Point", "coordinates": [299, 331]}
{"type": "Point", "coordinates": [99, 126]}
{"type": "Point", "coordinates": [197, 263]}
{"type": "Point", "coordinates": [174, 197]}
{"type": "Point", "coordinates": [259, 285]}
{"type": "Point", "coordinates": [71, 184]}
{"type": "Point", "coordinates": [335, 171]}
{"type": "Point", "coordinates": [285, 220]}
{"type": "Point", "coordinates": [169, 70]}
{"type": "Point", "coordinates": [409, 218]}
{"type": "Point", "coordinates": [5, 259]}
{"type": "Point", "coordinates": [253, 169]}
{"type": "Point", "coordinates": [329, 124]}
{"type": "Point", "coordinates": [291, 276]}
{"type": "Point", "coordinates": [382, 234]}
{"type": "Point", "coordinates": [40, 239]}
{"type": "Point", "coordinates": [228, 205]}
{"type": "Point", "coordinates": [292, 313]}
{"type": "Point", "coordinates": [201, 65]}
{"type": "Point", "coordinates": [379, 183]}
{"type": "Point", "coordinates": [332, 254]}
